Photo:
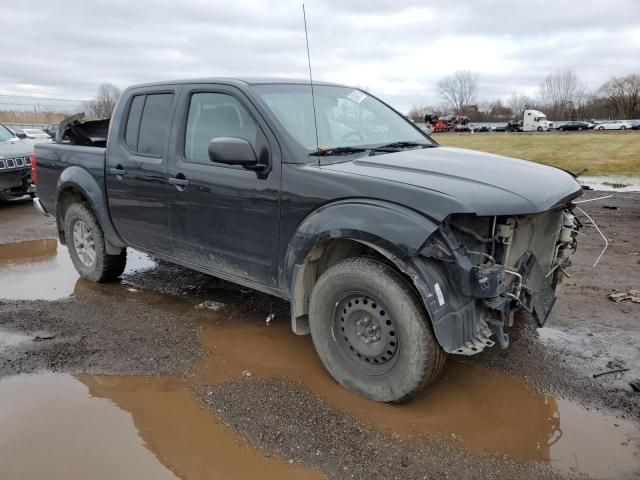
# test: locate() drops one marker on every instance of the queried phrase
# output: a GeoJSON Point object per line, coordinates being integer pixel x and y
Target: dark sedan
{"type": "Point", "coordinates": [575, 126]}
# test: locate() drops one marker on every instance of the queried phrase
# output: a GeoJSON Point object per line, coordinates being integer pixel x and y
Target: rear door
{"type": "Point", "coordinates": [136, 176]}
{"type": "Point", "coordinates": [224, 218]}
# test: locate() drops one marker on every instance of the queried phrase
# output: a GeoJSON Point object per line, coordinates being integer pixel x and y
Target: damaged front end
{"type": "Point", "coordinates": [485, 270]}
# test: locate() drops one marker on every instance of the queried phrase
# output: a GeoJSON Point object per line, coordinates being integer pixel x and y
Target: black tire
{"type": "Point", "coordinates": [539, 129]}
{"type": "Point", "coordinates": [623, 127]}
{"type": "Point", "coordinates": [359, 289]}
{"type": "Point", "coordinates": [579, 129]}
{"type": "Point", "coordinates": [105, 267]}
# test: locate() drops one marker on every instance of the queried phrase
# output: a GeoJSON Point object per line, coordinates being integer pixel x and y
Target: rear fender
{"type": "Point", "coordinates": [80, 180]}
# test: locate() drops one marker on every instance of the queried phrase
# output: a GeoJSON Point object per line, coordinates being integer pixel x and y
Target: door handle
{"type": "Point", "coordinates": [179, 181]}
{"type": "Point", "coordinates": [118, 171]}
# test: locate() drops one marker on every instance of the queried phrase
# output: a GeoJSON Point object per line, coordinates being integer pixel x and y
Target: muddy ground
{"type": "Point", "coordinates": [216, 392]}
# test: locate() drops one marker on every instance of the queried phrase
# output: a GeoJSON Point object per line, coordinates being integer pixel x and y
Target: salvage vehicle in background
{"type": "Point", "coordinates": [15, 165]}
{"type": "Point", "coordinates": [615, 125]}
{"type": "Point", "coordinates": [393, 250]}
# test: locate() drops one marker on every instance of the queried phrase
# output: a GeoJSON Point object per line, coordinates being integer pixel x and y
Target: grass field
{"type": "Point", "coordinates": [598, 153]}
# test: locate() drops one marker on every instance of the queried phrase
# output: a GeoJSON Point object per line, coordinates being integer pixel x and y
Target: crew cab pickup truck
{"type": "Point", "coordinates": [15, 165]}
{"type": "Point", "coordinates": [393, 250]}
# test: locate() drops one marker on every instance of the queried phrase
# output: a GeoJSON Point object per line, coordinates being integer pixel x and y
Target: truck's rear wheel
{"type": "Point", "coordinates": [371, 331]}
{"type": "Point", "coordinates": [85, 242]}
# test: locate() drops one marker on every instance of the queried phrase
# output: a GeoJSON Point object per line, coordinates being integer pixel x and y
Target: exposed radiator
{"type": "Point", "coordinates": [538, 234]}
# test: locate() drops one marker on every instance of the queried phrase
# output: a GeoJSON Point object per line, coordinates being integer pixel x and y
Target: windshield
{"type": "Point", "coordinates": [5, 134]}
{"type": "Point", "coordinates": [346, 117]}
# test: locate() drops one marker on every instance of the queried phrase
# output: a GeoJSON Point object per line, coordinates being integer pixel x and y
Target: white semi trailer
{"type": "Point", "coordinates": [535, 121]}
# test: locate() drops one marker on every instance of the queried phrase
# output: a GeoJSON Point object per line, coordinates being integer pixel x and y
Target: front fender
{"type": "Point", "coordinates": [81, 180]}
{"type": "Point", "coordinates": [396, 230]}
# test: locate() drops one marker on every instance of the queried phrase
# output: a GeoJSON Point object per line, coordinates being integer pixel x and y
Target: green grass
{"type": "Point", "coordinates": [594, 153]}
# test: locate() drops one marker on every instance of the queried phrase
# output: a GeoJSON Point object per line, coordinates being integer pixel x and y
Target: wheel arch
{"type": "Point", "coordinates": [76, 184]}
{"type": "Point", "coordinates": [347, 228]}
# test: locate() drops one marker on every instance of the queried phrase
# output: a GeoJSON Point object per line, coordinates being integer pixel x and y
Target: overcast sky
{"type": "Point", "coordinates": [397, 49]}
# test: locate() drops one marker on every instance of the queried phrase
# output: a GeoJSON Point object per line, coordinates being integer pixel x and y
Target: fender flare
{"type": "Point", "coordinates": [395, 231]}
{"type": "Point", "coordinates": [81, 180]}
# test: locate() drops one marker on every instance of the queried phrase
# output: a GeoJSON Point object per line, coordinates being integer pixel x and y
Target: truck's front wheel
{"type": "Point", "coordinates": [85, 242]}
{"type": "Point", "coordinates": [371, 331]}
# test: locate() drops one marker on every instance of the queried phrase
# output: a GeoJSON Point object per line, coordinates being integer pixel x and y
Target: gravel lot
{"type": "Point", "coordinates": [532, 411]}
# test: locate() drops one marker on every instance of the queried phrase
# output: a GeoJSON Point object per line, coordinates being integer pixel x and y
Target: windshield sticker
{"type": "Point", "coordinates": [357, 96]}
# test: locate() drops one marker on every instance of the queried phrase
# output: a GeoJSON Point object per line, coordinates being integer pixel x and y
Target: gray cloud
{"type": "Point", "coordinates": [398, 50]}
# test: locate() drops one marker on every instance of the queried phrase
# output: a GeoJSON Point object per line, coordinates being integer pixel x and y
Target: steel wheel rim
{"type": "Point", "coordinates": [84, 243]}
{"type": "Point", "coordinates": [366, 333]}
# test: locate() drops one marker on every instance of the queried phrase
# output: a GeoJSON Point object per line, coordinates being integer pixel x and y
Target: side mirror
{"type": "Point", "coordinates": [21, 135]}
{"type": "Point", "coordinates": [232, 151]}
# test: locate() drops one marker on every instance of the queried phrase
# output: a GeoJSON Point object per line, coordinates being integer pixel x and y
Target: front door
{"type": "Point", "coordinates": [224, 218]}
{"type": "Point", "coordinates": [136, 172]}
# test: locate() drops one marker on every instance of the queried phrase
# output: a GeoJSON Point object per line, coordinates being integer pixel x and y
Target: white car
{"type": "Point", "coordinates": [614, 125]}
{"type": "Point", "coordinates": [36, 134]}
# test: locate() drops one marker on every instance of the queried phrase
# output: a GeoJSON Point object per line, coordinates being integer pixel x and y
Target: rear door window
{"type": "Point", "coordinates": [148, 123]}
{"type": "Point", "coordinates": [154, 124]}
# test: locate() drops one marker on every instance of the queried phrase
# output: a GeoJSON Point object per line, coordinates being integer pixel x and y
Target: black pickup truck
{"type": "Point", "coordinates": [392, 250]}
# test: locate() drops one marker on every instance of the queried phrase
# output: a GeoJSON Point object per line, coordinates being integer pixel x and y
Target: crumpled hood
{"type": "Point", "coordinates": [483, 183]}
{"type": "Point", "coordinates": [14, 148]}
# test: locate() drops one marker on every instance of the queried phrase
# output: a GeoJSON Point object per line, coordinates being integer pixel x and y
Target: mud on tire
{"type": "Point", "coordinates": [103, 267]}
{"type": "Point", "coordinates": [371, 331]}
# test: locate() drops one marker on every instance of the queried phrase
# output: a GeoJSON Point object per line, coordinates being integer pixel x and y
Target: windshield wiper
{"type": "Point", "coordinates": [401, 145]}
{"type": "Point", "coordinates": [327, 152]}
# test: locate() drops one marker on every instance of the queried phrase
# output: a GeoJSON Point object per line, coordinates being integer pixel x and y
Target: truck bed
{"type": "Point", "coordinates": [53, 158]}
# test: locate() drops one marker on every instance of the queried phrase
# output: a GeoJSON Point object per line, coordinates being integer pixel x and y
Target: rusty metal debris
{"type": "Point", "coordinates": [633, 295]}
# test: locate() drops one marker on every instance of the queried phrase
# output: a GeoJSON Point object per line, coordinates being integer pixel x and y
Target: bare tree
{"type": "Point", "coordinates": [459, 90]}
{"type": "Point", "coordinates": [104, 102]}
{"type": "Point", "coordinates": [518, 104]}
{"type": "Point", "coordinates": [624, 95]}
{"type": "Point", "coordinates": [560, 91]}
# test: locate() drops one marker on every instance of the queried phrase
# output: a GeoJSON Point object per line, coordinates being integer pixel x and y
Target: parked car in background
{"type": "Point", "coordinates": [615, 125]}
{"type": "Point", "coordinates": [636, 125]}
{"type": "Point", "coordinates": [462, 128]}
{"type": "Point", "coordinates": [51, 129]}
{"type": "Point", "coordinates": [572, 126]}
{"type": "Point", "coordinates": [15, 165]}
{"type": "Point", "coordinates": [34, 134]}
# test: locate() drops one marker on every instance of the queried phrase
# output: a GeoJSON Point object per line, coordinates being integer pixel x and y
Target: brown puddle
{"type": "Point", "coordinates": [482, 410]}
{"type": "Point", "coordinates": [58, 426]}
{"type": "Point", "coordinates": [42, 270]}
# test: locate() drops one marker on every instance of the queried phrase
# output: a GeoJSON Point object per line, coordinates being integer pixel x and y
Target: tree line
{"type": "Point", "coordinates": [561, 95]}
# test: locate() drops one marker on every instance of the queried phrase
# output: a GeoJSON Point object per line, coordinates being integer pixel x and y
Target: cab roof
{"type": "Point", "coordinates": [239, 82]}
